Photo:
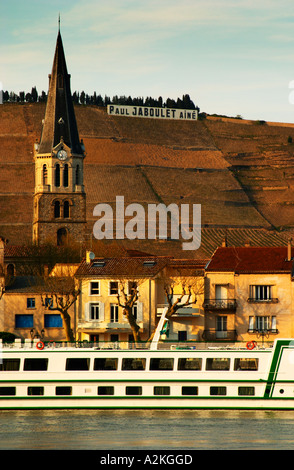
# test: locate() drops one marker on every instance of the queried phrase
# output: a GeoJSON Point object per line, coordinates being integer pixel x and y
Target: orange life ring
{"type": "Point", "coordinates": [40, 345]}
{"type": "Point", "coordinates": [250, 345]}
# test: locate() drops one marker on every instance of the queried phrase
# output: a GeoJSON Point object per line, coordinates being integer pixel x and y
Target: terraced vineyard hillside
{"type": "Point", "coordinates": [241, 172]}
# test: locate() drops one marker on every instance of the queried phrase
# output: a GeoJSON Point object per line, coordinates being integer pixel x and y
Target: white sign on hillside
{"type": "Point", "coordinates": [153, 113]}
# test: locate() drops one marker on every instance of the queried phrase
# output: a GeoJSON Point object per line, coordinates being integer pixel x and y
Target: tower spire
{"type": "Point", "coordinates": [60, 121]}
{"type": "Point", "coordinates": [59, 23]}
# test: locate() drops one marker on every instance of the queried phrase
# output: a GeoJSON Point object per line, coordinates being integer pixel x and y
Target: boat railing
{"type": "Point", "coordinates": [165, 345]}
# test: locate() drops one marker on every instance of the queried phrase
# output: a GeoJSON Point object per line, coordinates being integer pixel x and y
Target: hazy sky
{"type": "Point", "coordinates": [231, 56]}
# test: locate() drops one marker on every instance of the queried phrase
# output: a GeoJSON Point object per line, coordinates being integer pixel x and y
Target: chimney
{"type": "Point", "coordinates": [89, 257]}
{"type": "Point", "coordinates": [247, 243]}
{"type": "Point", "coordinates": [289, 250]}
{"type": "Point", "coordinates": [224, 242]}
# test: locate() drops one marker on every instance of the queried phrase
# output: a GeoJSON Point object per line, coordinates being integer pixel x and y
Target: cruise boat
{"type": "Point", "coordinates": [49, 376]}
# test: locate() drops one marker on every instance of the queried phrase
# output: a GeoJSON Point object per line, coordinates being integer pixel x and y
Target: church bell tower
{"type": "Point", "coordinates": [59, 198]}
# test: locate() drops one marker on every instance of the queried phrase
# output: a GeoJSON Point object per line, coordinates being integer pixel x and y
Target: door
{"type": "Point", "coordinates": [221, 327]}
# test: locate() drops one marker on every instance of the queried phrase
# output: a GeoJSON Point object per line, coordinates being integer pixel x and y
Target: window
{"type": "Point", "coordinates": [77, 363]}
{"type": "Point", "coordinates": [113, 313]}
{"type": "Point", "coordinates": [135, 311]}
{"type": "Point", "coordinates": [182, 335]}
{"type": "Point", "coordinates": [94, 312]}
{"type": "Point", "coordinates": [133, 390]}
{"type": "Point", "coordinates": [57, 175]}
{"type": "Point", "coordinates": [66, 209]}
{"type": "Point", "coordinates": [24, 321]}
{"type": "Point", "coordinates": [218, 363]}
{"type": "Point", "coordinates": [45, 174]}
{"type": "Point", "coordinates": [189, 390]}
{"type": "Point", "coordinates": [132, 363]}
{"type": "Point", "coordinates": [218, 390]}
{"type": "Point", "coordinates": [106, 363]}
{"type": "Point", "coordinates": [190, 363]}
{"type": "Point", "coordinates": [65, 176]}
{"type": "Point", "coordinates": [105, 390]}
{"type": "Point", "coordinates": [62, 236]}
{"type": "Point", "coordinates": [246, 364]}
{"type": "Point", "coordinates": [31, 302]}
{"type": "Point", "coordinates": [260, 293]}
{"type": "Point", "coordinates": [56, 210]}
{"type": "Point", "coordinates": [161, 391]}
{"type": "Point", "coordinates": [35, 364]}
{"type": "Point", "coordinates": [94, 288]}
{"type": "Point", "coordinates": [52, 320]}
{"type": "Point", "coordinates": [9, 364]}
{"type": "Point", "coordinates": [113, 288]}
{"type": "Point", "coordinates": [10, 269]}
{"type": "Point", "coordinates": [248, 391]}
{"type": "Point", "coordinates": [35, 391]}
{"type": "Point", "coordinates": [165, 363]}
{"type": "Point", "coordinates": [7, 391]}
{"type": "Point", "coordinates": [262, 323]}
{"type": "Point", "coordinates": [132, 286]}
{"type": "Point", "coordinates": [63, 391]}
{"type": "Point", "coordinates": [48, 302]}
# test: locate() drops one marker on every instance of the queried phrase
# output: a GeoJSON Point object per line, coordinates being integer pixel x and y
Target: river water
{"type": "Point", "coordinates": [146, 429]}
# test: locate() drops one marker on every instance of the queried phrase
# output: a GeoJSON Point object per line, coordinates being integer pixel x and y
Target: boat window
{"type": "Point", "coordinates": [218, 390]}
{"type": "Point", "coordinates": [189, 390]}
{"type": "Point", "coordinates": [133, 390]}
{"type": "Point", "coordinates": [105, 390]}
{"type": "Point", "coordinates": [247, 363]}
{"type": "Point", "coordinates": [218, 363]}
{"type": "Point", "coordinates": [77, 363]}
{"type": "Point", "coordinates": [105, 363]}
{"type": "Point", "coordinates": [133, 363]}
{"type": "Point", "coordinates": [7, 391]}
{"type": "Point", "coordinates": [35, 363]}
{"type": "Point", "coordinates": [164, 363]}
{"type": "Point", "coordinates": [161, 391]}
{"type": "Point", "coordinates": [9, 364]}
{"type": "Point", "coordinates": [189, 363]}
{"type": "Point", "coordinates": [63, 391]}
{"type": "Point", "coordinates": [248, 391]}
{"type": "Point", "coordinates": [35, 391]}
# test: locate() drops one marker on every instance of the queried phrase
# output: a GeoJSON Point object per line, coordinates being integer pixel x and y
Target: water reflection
{"type": "Point", "coordinates": [146, 429]}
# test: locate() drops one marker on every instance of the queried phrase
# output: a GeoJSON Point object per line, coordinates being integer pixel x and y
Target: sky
{"type": "Point", "coordinates": [233, 57]}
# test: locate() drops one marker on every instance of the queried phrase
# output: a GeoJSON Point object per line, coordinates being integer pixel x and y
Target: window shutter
{"type": "Point", "coordinates": [101, 311]}
{"type": "Point", "coordinates": [139, 311]}
{"type": "Point", "coordinates": [87, 310]}
{"type": "Point", "coordinates": [251, 323]}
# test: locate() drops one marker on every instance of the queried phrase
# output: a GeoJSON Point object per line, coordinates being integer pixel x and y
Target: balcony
{"type": "Point", "coordinates": [220, 304]}
{"type": "Point", "coordinates": [263, 301]}
{"type": "Point", "coordinates": [216, 335]}
{"type": "Point", "coordinates": [183, 311]}
{"type": "Point", "coordinates": [103, 326]}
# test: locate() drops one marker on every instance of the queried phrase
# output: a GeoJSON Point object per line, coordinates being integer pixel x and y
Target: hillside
{"type": "Point", "coordinates": [241, 172]}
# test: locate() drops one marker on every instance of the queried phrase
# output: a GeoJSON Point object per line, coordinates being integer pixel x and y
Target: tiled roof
{"type": "Point", "coordinates": [122, 267]}
{"type": "Point", "coordinates": [250, 259]}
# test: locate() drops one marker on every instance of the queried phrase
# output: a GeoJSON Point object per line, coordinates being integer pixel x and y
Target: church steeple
{"type": "Point", "coordinates": [59, 199]}
{"type": "Point", "coordinates": [60, 121]}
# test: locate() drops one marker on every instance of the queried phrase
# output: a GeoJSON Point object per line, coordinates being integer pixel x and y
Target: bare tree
{"type": "Point", "coordinates": [189, 288]}
{"type": "Point", "coordinates": [61, 294]}
{"type": "Point", "coordinates": [127, 299]}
